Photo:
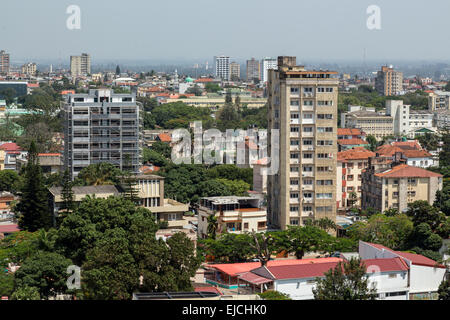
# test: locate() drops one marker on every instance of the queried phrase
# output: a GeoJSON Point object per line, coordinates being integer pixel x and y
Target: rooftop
{"type": "Point", "coordinates": [358, 153]}
{"type": "Point", "coordinates": [405, 171]}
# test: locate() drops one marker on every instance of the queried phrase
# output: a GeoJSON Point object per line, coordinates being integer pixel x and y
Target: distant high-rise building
{"type": "Point", "coordinates": [235, 71]}
{"type": "Point", "coordinates": [80, 65]}
{"type": "Point", "coordinates": [29, 69]}
{"type": "Point", "coordinates": [267, 64]}
{"type": "Point", "coordinates": [222, 67]}
{"type": "Point", "coordinates": [102, 126]}
{"type": "Point", "coordinates": [253, 70]}
{"type": "Point", "coordinates": [388, 81]}
{"type": "Point", "coordinates": [302, 105]}
{"type": "Point", "coordinates": [4, 62]}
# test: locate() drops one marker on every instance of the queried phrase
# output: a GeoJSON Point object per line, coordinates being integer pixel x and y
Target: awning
{"type": "Point", "coordinates": [252, 278]}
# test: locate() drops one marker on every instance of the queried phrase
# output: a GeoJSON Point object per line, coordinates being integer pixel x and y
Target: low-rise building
{"type": "Point", "coordinates": [13, 153]}
{"type": "Point", "coordinates": [234, 214]}
{"type": "Point", "coordinates": [413, 157]}
{"type": "Point", "coordinates": [395, 185]}
{"type": "Point", "coordinates": [349, 176]}
{"type": "Point", "coordinates": [370, 122]}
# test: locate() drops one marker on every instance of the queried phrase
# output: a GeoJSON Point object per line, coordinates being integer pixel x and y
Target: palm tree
{"type": "Point", "coordinates": [212, 226]}
{"type": "Point", "coordinates": [102, 173]}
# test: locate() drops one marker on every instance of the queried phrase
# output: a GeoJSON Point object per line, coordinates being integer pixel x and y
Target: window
{"type": "Point", "coordinates": [307, 115]}
{"type": "Point", "coordinates": [307, 182]}
{"type": "Point", "coordinates": [308, 90]}
{"type": "Point", "coordinates": [324, 142]}
{"type": "Point", "coordinates": [261, 224]}
{"type": "Point", "coordinates": [307, 195]}
{"type": "Point", "coordinates": [307, 156]}
{"type": "Point", "coordinates": [324, 156]}
{"type": "Point", "coordinates": [324, 182]}
{"type": "Point", "coordinates": [293, 209]}
{"type": "Point", "coordinates": [245, 225]}
{"type": "Point", "coordinates": [295, 129]}
{"type": "Point", "coordinates": [307, 102]}
{"type": "Point", "coordinates": [294, 195]}
{"type": "Point", "coordinates": [324, 195]}
{"type": "Point", "coordinates": [307, 169]}
{"type": "Point", "coordinates": [350, 177]}
{"type": "Point", "coordinates": [307, 208]}
{"type": "Point", "coordinates": [295, 103]}
{"type": "Point", "coordinates": [307, 142]}
{"type": "Point", "coordinates": [294, 156]}
{"type": "Point", "coordinates": [295, 142]}
{"type": "Point", "coordinates": [324, 129]}
{"type": "Point", "coordinates": [294, 222]}
{"type": "Point", "coordinates": [325, 116]}
{"type": "Point", "coordinates": [395, 194]}
{"type": "Point", "coordinates": [294, 182]}
{"type": "Point", "coordinates": [295, 90]}
{"type": "Point", "coordinates": [294, 169]}
{"type": "Point", "coordinates": [295, 115]}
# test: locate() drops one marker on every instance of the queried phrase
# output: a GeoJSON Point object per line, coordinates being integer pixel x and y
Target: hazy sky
{"type": "Point", "coordinates": [199, 29]}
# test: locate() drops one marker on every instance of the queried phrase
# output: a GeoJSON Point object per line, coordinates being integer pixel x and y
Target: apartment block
{"type": "Point", "coordinates": [439, 100]}
{"type": "Point", "coordinates": [29, 69]}
{"type": "Point", "coordinates": [80, 65]}
{"type": "Point", "coordinates": [253, 70]}
{"type": "Point", "coordinates": [302, 105]}
{"type": "Point", "coordinates": [222, 67]}
{"type": "Point", "coordinates": [370, 122]}
{"type": "Point", "coordinates": [235, 71]}
{"type": "Point", "coordinates": [388, 81]}
{"type": "Point", "coordinates": [4, 62]}
{"type": "Point", "coordinates": [267, 64]}
{"type": "Point", "coordinates": [387, 184]}
{"type": "Point", "coordinates": [350, 165]}
{"type": "Point", "coordinates": [234, 214]}
{"type": "Point", "coordinates": [102, 126]}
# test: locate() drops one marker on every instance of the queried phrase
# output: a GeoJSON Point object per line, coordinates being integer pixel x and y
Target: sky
{"type": "Point", "coordinates": [197, 30]}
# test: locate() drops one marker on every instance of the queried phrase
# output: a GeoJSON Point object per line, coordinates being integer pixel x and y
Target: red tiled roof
{"type": "Point", "coordinates": [419, 259]}
{"type": "Point", "coordinates": [254, 278]}
{"type": "Point", "coordinates": [233, 269]}
{"type": "Point", "coordinates": [358, 153]}
{"type": "Point", "coordinates": [49, 154]}
{"type": "Point", "coordinates": [407, 144]}
{"type": "Point", "coordinates": [10, 146]}
{"type": "Point", "coordinates": [405, 171]}
{"type": "Point", "coordinates": [385, 264]}
{"type": "Point", "coordinates": [353, 141]}
{"type": "Point", "coordinates": [203, 80]}
{"type": "Point", "coordinates": [9, 228]}
{"type": "Point", "coordinates": [348, 132]}
{"type": "Point", "coordinates": [311, 270]}
{"type": "Point", "coordinates": [416, 259]}
{"type": "Point", "coordinates": [416, 154]}
{"type": "Point", "coordinates": [164, 137]}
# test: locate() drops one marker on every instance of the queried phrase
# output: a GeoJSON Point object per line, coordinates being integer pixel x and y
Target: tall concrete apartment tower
{"type": "Point", "coordinates": [266, 64]}
{"type": "Point", "coordinates": [102, 126]}
{"type": "Point", "coordinates": [4, 62]}
{"type": "Point", "coordinates": [235, 71]}
{"type": "Point", "coordinates": [222, 67]}
{"type": "Point", "coordinates": [303, 107]}
{"type": "Point", "coordinates": [253, 70]}
{"type": "Point", "coordinates": [80, 65]}
{"type": "Point", "coordinates": [388, 81]}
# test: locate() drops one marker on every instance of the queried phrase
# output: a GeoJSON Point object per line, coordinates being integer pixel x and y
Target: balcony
{"type": "Point", "coordinates": [294, 148]}
{"type": "Point", "coordinates": [294, 200]}
{"type": "Point", "coordinates": [294, 161]}
{"type": "Point", "coordinates": [307, 187]}
{"type": "Point", "coordinates": [307, 108]}
{"type": "Point", "coordinates": [294, 135]}
{"type": "Point", "coordinates": [308, 94]}
{"type": "Point", "coordinates": [307, 148]}
{"type": "Point", "coordinates": [295, 108]}
{"type": "Point", "coordinates": [308, 160]}
{"type": "Point", "coordinates": [295, 121]}
{"type": "Point", "coordinates": [308, 121]}
{"type": "Point", "coordinates": [308, 200]}
{"type": "Point", "coordinates": [307, 174]}
{"type": "Point", "coordinates": [307, 134]}
{"type": "Point", "coordinates": [294, 188]}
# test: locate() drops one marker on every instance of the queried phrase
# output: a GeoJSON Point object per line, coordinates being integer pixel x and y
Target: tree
{"type": "Point", "coordinates": [6, 283]}
{"type": "Point", "coordinates": [17, 247]}
{"type": "Point", "coordinates": [26, 293]}
{"type": "Point", "coordinates": [117, 70]}
{"type": "Point", "coordinates": [300, 240]}
{"type": "Point", "coordinates": [444, 290]}
{"type": "Point", "coordinates": [236, 187]}
{"type": "Point", "coordinates": [9, 181]}
{"type": "Point", "coordinates": [228, 98]}
{"type": "Point", "coordinates": [262, 245]}
{"type": "Point", "coordinates": [46, 271]}
{"type": "Point", "coordinates": [391, 231]}
{"type": "Point", "coordinates": [33, 209]}
{"type": "Point", "coordinates": [372, 142]}
{"type": "Point", "coordinates": [347, 281]}
{"type": "Point", "coordinates": [212, 226]}
{"type": "Point", "coordinates": [274, 295]}
{"type": "Point", "coordinates": [67, 193]}
{"type": "Point", "coordinates": [422, 212]}
{"type": "Point", "coordinates": [9, 95]}
{"type": "Point", "coordinates": [98, 174]}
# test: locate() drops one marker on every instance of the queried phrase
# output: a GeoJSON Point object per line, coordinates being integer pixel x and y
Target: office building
{"type": "Point", "coordinates": [302, 105]}
{"type": "Point", "coordinates": [80, 65]}
{"type": "Point", "coordinates": [267, 64]}
{"type": "Point", "coordinates": [388, 81]}
{"type": "Point", "coordinates": [253, 70]}
{"type": "Point", "coordinates": [4, 62]}
{"type": "Point", "coordinates": [101, 126]}
{"type": "Point", "coordinates": [222, 67]}
{"type": "Point", "coordinates": [235, 71]}
{"type": "Point", "coordinates": [439, 100]}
